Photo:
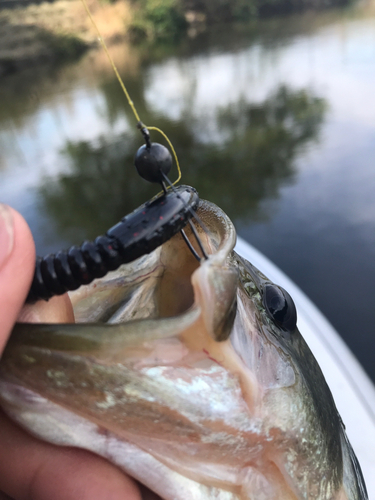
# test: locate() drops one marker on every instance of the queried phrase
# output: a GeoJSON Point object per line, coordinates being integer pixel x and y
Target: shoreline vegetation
{"type": "Point", "coordinates": [35, 32]}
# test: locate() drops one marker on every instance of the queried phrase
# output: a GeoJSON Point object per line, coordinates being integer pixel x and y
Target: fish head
{"type": "Point", "coordinates": [192, 377]}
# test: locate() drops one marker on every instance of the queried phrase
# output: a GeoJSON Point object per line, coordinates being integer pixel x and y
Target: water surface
{"type": "Point", "coordinates": [274, 122]}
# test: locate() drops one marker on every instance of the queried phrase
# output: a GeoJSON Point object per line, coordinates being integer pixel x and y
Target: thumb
{"type": "Point", "coordinates": [17, 263]}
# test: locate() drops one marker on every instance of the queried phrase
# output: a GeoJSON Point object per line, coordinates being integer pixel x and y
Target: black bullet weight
{"type": "Point", "coordinates": [152, 160]}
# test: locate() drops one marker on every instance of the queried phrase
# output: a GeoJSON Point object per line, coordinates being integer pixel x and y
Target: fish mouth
{"type": "Point", "coordinates": [167, 282]}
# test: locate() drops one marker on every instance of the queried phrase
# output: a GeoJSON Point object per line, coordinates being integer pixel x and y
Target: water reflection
{"type": "Point", "coordinates": [256, 157]}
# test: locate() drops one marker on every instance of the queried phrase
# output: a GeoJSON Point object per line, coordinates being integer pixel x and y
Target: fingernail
{"type": "Point", "coordinates": [6, 233]}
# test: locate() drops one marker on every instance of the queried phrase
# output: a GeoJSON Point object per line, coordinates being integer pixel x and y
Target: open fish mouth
{"type": "Point", "coordinates": [193, 378]}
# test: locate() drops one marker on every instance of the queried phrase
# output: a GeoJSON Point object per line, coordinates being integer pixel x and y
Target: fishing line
{"type": "Point", "coordinates": [127, 95]}
{"type": "Point", "coordinates": [145, 131]}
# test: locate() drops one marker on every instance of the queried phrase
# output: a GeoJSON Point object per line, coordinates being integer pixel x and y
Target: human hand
{"type": "Point", "coordinates": [31, 469]}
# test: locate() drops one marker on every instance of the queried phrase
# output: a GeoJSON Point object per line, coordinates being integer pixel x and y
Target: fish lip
{"type": "Point", "coordinates": [224, 229]}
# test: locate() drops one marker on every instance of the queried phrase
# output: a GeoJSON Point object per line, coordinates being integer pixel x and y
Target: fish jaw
{"type": "Point", "coordinates": [195, 396]}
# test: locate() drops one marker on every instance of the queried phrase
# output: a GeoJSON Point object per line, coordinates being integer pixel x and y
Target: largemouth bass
{"type": "Point", "coordinates": [192, 378]}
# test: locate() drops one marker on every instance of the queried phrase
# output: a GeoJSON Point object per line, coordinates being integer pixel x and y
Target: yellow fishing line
{"type": "Point", "coordinates": [173, 151]}
{"type": "Point", "coordinates": [131, 103]}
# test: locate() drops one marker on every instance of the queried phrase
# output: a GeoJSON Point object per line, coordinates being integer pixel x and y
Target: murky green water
{"type": "Point", "coordinates": [274, 122]}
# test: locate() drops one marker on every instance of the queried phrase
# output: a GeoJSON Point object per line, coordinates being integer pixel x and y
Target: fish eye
{"type": "Point", "coordinates": [280, 307]}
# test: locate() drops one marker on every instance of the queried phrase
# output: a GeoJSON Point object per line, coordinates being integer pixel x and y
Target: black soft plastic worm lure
{"type": "Point", "coordinates": [139, 233]}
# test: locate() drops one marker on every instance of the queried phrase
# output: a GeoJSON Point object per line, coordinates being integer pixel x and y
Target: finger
{"type": "Point", "coordinates": [34, 470]}
{"type": "Point", "coordinates": [17, 262]}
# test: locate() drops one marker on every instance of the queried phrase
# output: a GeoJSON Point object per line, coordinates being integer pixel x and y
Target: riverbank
{"type": "Point", "coordinates": [55, 31]}
{"type": "Point", "coordinates": [51, 32]}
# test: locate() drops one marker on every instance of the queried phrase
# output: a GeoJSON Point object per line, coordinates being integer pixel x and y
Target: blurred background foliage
{"type": "Point", "coordinates": [154, 19]}
{"type": "Point", "coordinates": [157, 19]}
